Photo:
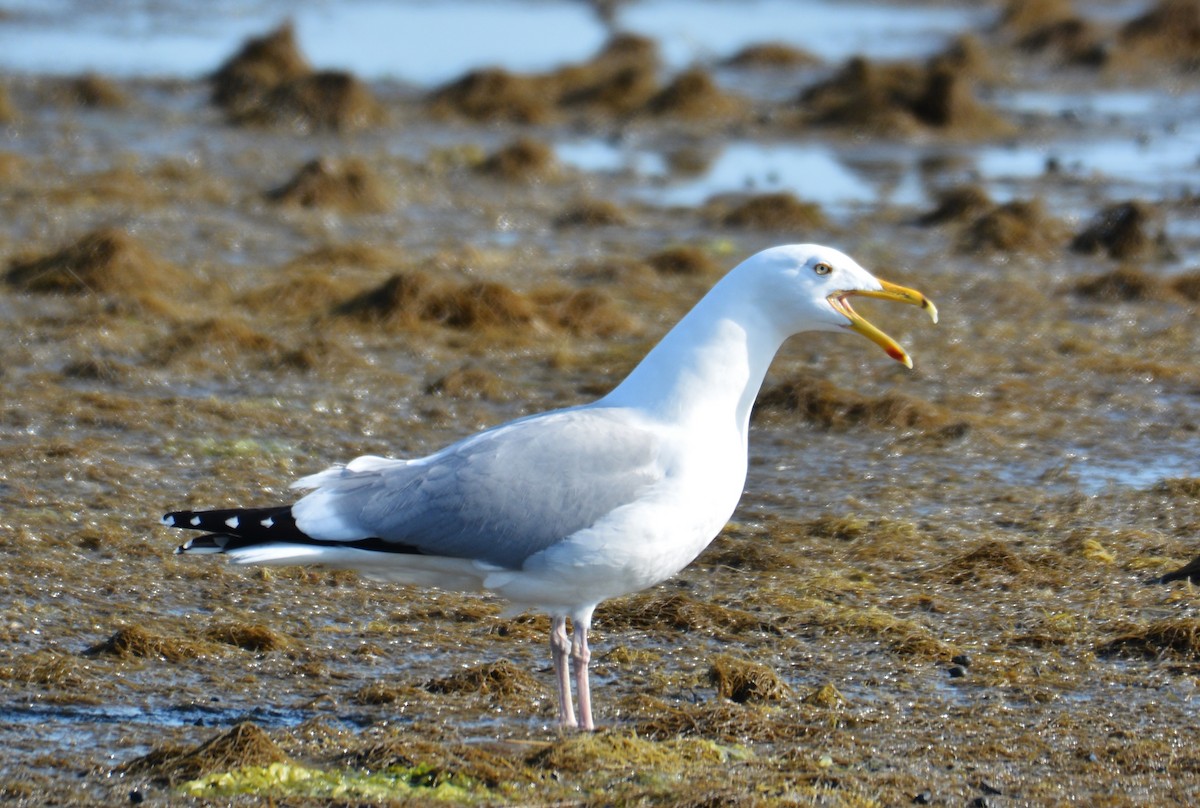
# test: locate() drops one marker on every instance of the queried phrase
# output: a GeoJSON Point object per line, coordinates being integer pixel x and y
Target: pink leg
{"type": "Point", "coordinates": [560, 646]}
{"type": "Point", "coordinates": [581, 655]}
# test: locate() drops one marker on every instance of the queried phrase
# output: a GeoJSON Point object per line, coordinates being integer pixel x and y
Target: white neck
{"type": "Point", "coordinates": [710, 366]}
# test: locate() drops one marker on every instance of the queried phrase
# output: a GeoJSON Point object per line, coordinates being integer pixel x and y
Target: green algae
{"type": "Point", "coordinates": [288, 780]}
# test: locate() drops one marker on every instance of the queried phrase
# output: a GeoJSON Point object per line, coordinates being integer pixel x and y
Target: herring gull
{"type": "Point", "coordinates": [565, 509]}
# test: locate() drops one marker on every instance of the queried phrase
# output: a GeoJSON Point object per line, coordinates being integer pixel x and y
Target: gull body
{"type": "Point", "coordinates": [563, 510]}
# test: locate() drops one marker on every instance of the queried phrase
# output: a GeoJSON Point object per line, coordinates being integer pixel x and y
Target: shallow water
{"type": "Point", "coordinates": [428, 43]}
{"type": "Point", "coordinates": [1116, 146]}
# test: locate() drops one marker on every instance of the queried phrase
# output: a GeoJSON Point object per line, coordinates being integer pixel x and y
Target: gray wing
{"type": "Point", "coordinates": [499, 496]}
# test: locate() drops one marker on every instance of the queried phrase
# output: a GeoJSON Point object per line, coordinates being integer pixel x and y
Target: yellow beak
{"type": "Point", "coordinates": [890, 291]}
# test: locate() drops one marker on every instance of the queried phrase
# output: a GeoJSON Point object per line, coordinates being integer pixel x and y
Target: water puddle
{"type": "Point", "coordinates": [179, 715]}
{"type": "Point", "coordinates": [1156, 166]}
{"type": "Point", "coordinates": [1159, 169]}
{"type": "Point", "coordinates": [595, 155]}
{"type": "Point", "coordinates": [429, 43]}
{"type": "Point", "coordinates": [689, 30]}
{"type": "Point", "coordinates": [1095, 473]}
{"type": "Point", "coordinates": [814, 172]}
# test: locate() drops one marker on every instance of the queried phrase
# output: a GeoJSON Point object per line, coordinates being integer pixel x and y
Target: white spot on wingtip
{"type": "Point", "coordinates": [168, 520]}
{"type": "Point", "coordinates": [232, 522]}
{"type": "Point", "coordinates": [268, 522]}
{"type": "Point", "coordinates": [195, 521]}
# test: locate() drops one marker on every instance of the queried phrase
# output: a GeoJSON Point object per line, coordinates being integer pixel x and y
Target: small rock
{"type": "Point", "coordinates": [924, 798]}
{"type": "Point", "coordinates": [957, 672]}
{"type": "Point", "coordinates": [136, 797]}
{"type": "Point", "coordinates": [961, 659]}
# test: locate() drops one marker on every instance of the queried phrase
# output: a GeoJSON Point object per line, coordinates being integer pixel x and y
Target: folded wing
{"type": "Point", "coordinates": [497, 497]}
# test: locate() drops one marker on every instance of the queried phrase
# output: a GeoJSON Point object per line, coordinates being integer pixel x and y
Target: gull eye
{"type": "Point", "coordinates": [822, 268]}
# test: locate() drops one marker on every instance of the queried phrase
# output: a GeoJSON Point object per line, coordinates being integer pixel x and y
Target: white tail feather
{"type": "Point", "coordinates": [456, 574]}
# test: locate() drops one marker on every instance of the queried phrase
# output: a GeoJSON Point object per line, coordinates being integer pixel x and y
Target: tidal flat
{"type": "Point", "coordinates": [941, 585]}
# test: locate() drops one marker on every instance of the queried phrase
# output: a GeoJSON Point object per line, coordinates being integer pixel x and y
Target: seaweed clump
{"type": "Point", "coordinates": [621, 79]}
{"type": "Point", "coordinates": [296, 294]}
{"type": "Point", "coordinates": [592, 213]}
{"type": "Point", "coordinates": [1181, 488]}
{"type": "Point", "coordinates": [8, 111]}
{"type": "Point", "coordinates": [135, 642]}
{"type": "Point", "coordinates": [742, 680]}
{"type": "Point", "coordinates": [693, 95]}
{"type": "Point", "coordinates": [104, 261]}
{"type": "Point", "coordinates": [1170, 31]}
{"type": "Point", "coordinates": [261, 64]}
{"type": "Point", "coordinates": [1123, 285]}
{"type": "Point", "coordinates": [1174, 636]}
{"type": "Point", "coordinates": [522, 160]}
{"type": "Point", "coordinates": [270, 82]}
{"type": "Point", "coordinates": [824, 404]}
{"type": "Point", "coordinates": [1043, 26]}
{"type": "Point", "coordinates": [346, 185]}
{"type": "Point", "coordinates": [618, 80]}
{"type": "Point", "coordinates": [985, 561]}
{"type": "Point", "coordinates": [657, 611]}
{"type": "Point", "coordinates": [957, 204]}
{"type": "Point", "coordinates": [1188, 285]}
{"type": "Point", "coordinates": [46, 669]}
{"type": "Point", "coordinates": [1118, 230]}
{"type": "Point", "coordinates": [224, 339]}
{"type": "Point", "coordinates": [899, 98]}
{"type": "Point", "coordinates": [619, 752]}
{"type": "Point", "coordinates": [468, 382]}
{"type": "Point", "coordinates": [244, 745]}
{"type": "Point", "coordinates": [773, 211]}
{"type": "Point", "coordinates": [92, 91]}
{"type": "Point", "coordinates": [493, 94]}
{"type": "Point", "coordinates": [588, 312]}
{"type": "Point", "coordinates": [378, 693]}
{"type": "Point", "coordinates": [715, 720]}
{"type": "Point", "coordinates": [480, 304]}
{"type": "Point", "coordinates": [682, 260]}
{"type": "Point", "coordinates": [1075, 40]}
{"type": "Point", "coordinates": [248, 636]}
{"type": "Point", "coordinates": [407, 299]}
{"type": "Point", "coordinates": [499, 678]}
{"type": "Point", "coordinates": [1025, 16]}
{"type": "Point", "coordinates": [771, 55]}
{"type": "Point", "coordinates": [331, 100]}
{"type": "Point", "coordinates": [399, 302]}
{"type": "Point", "coordinates": [1017, 226]}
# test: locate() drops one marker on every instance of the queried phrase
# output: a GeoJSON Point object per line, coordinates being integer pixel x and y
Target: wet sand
{"type": "Point", "coordinates": [935, 588]}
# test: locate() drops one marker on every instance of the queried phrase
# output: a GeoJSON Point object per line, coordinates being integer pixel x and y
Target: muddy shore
{"type": "Point", "coordinates": [935, 590]}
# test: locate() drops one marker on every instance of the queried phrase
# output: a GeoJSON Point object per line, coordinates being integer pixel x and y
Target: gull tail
{"type": "Point", "coordinates": [235, 529]}
{"type": "Point", "coordinates": [269, 536]}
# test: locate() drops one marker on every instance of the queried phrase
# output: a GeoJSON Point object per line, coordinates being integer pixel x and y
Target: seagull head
{"type": "Point", "coordinates": [809, 289]}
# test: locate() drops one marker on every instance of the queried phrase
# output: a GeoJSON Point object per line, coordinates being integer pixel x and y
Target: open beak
{"type": "Point", "coordinates": [890, 291]}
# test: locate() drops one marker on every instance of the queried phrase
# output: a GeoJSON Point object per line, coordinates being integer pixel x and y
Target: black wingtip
{"type": "Point", "coordinates": [237, 528]}
{"type": "Point", "coordinates": [263, 523]}
{"type": "Point", "coordinates": [1189, 572]}
{"type": "Point", "coordinates": [208, 543]}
